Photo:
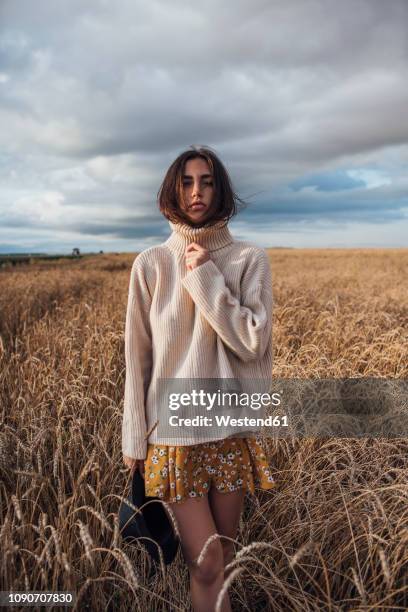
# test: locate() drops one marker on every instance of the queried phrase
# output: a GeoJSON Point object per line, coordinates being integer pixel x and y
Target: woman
{"type": "Point", "coordinates": [200, 306]}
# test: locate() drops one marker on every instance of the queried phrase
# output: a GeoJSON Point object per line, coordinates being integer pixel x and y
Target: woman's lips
{"type": "Point", "coordinates": [197, 206]}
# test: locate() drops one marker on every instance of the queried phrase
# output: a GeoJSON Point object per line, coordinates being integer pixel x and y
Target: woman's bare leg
{"type": "Point", "coordinates": [226, 510]}
{"type": "Point", "coordinates": [196, 524]}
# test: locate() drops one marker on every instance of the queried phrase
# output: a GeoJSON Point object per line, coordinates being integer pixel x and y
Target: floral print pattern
{"type": "Point", "coordinates": [175, 473]}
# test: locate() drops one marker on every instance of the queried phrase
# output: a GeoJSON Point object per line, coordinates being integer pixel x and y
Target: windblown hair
{"type": "Point", "coordinates": [225, 204]}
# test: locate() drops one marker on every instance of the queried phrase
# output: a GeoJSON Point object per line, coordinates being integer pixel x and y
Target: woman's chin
{"type": "Point", "coordinates": [197, 218]}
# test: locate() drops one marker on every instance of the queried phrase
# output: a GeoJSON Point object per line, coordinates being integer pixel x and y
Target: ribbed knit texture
{"type": "Point", "coordinates": [211, 322]}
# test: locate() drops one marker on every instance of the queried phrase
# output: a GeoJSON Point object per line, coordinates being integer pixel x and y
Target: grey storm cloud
{"type": "Point", "coordinates": [97, 99]}
{"type": "Point", "coordinates": [126, 229]}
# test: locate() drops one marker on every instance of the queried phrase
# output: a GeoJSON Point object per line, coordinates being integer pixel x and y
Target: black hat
{"type": "Point", "coordinates": [151, 522]}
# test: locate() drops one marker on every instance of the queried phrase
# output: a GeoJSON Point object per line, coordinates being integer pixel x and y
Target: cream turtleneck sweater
{"type": "Point", "coordinates": [211, 322]}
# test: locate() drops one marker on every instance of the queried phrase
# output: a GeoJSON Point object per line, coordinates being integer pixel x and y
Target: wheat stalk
{"type": "Point", "coordinates": [86, 540]}
{"type": "Point", "coordinates": [57, 543]}
{"type": "Point", "coordinates": [359, 586]}
{"type": "Point", "coordinates": [204, 549]}
{"type": "Point", "coordinates": [116, 532]}
{"type": "Point", "coordinates": [225, 586]}
{"type": "Point", "coordinates": [17, 507]}
{"type": "Point", "coordinates": [98, 515]}
{"type": "Point", "coordinates": [385, 566]}
{"type": "Point", "coordinates": [128, 570]}
{"type": "Point", "coordinates": [299, 553]}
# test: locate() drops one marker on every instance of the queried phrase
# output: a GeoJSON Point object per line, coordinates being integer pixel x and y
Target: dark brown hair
{"type": "Point", "coordinates": [225, 204]}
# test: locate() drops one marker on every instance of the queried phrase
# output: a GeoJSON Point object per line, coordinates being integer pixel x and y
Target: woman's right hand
{"type": "Point", "coordinates": [134, 464]}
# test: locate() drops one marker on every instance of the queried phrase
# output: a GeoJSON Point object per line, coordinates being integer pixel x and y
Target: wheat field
{"type": "Point", "coordinates": [333, 535]}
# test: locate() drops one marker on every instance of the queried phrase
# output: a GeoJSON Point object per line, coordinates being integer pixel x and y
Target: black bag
{"type": "Point", "coordinates": [152, 522]}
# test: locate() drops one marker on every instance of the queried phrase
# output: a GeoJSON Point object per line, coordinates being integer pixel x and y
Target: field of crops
{"type": "Point", "coordinates": [333, 535]}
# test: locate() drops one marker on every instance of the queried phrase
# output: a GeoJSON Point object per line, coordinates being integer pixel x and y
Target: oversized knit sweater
{"type": "Point", "coordinates": [214, 321]}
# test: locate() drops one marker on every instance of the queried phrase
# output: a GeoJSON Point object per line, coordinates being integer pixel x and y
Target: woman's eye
{"type": "Point", "coordinates": [206, 183]}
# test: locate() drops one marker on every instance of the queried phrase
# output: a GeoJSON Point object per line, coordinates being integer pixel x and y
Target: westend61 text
{"type": "Point", "coordinates": [225, 421]}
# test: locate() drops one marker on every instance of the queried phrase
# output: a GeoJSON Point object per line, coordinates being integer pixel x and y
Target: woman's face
{"type": "Point", "coordinates": [198, 190]}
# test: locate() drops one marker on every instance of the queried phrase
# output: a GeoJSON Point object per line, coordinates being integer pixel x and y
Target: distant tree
{"type": "Point", "coordinates": [76, 252]}
{"type": "Point", "coordinates": [101, 252]}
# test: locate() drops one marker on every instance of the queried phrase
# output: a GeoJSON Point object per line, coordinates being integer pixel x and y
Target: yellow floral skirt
{"type": "Point", "coordinates": [175, 473]}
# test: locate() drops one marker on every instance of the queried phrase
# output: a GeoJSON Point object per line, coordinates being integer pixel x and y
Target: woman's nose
{"type": "Point", "coordinates": [196, 188]}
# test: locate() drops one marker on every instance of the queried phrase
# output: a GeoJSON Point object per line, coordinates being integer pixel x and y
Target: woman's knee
{"type": "Point", "coordinates": [211, 566]}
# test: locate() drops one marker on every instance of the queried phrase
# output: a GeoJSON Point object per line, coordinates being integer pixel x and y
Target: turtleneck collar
{"type": "Point", "coordinates": [211, 237]}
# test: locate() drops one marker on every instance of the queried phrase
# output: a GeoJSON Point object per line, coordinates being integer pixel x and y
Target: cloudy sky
{"type": "Point", "coordinates": [305, 101]}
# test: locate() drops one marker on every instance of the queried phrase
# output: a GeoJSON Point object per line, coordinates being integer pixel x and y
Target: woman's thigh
{"type": "Point", "coordinates": [226, 509]}
{"type": "Point", "coordinates": [196, 525]}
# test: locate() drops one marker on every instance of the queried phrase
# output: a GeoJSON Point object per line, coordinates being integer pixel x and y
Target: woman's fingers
{"type": "Point", "coordinates": [134, 464]}
{"type": "Point", "coordinates": [196, 259]}
{"type": "Point", "coordinates": [193, 246]}
{"type": "Point", "coordinates": [130, 463]}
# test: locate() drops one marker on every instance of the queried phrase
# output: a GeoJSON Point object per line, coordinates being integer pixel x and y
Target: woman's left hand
{"type": "Point", "coordinates": [196, 255]}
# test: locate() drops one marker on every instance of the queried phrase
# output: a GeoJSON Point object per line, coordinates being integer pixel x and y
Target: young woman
{"type": "Point", "coordinates": [200, 306]}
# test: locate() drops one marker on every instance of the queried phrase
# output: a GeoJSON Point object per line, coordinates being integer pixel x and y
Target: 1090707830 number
{"type": "Point", "coordinates": [45, 598]}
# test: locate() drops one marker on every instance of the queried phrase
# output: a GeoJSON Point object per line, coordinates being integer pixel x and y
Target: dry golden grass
{"type": "Point", "coordinates": [332, 536]}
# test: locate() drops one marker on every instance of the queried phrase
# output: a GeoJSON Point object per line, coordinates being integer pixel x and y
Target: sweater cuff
{"type": "Point", "coordinates": [136, 448]}
{"type": "Point", "coordinates": [202, 275]}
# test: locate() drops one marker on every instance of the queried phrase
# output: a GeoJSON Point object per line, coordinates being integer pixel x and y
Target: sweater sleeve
{"type": "Point", "coordinates": [244, 325]}
{"type": "Point", "coordinates": [138, 357]}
